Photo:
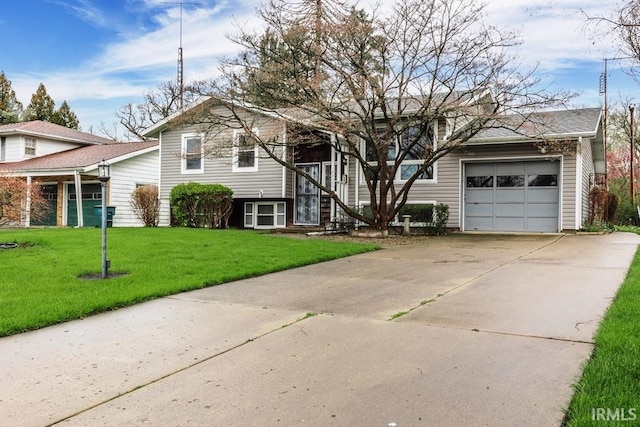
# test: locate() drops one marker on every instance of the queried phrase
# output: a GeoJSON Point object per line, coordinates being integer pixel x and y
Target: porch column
{"type": "Point", "coordinates": [78, 182]}
{"type": "Point", "coordinates": [27, 204]}
{"type": "Point", "coordinates": [334, 159]}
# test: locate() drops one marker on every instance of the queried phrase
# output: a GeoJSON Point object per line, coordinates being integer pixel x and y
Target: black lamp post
{"type": "Point", "coordinates": [103, 176]}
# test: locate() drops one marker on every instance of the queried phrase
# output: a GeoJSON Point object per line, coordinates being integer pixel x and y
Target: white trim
{"type": "Point", "coordinates": [235, 150]}
{"type": "Point", "coordinates": [183, 153]}
{"type": "Point", "coordinates": [79, 207]}
{"type": "Point", "coordinates": [579, 183]}
{"type": "Point", "coordinates": [254, 214]}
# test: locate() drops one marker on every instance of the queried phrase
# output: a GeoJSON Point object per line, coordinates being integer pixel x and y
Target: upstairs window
{"type": "Point", "coordinates": [416, 145]}
{"type": "Point", "coordinates": [245, 152]}
{"type": "Point", "coordinates": [29, 146]}
{"type": "Point", "coordinates": [192, 154]}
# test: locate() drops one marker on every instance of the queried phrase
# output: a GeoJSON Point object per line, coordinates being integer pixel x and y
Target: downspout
{"type": "Point", "coordinates": [79, 210]}
{"type": "Point", "coordinates": [27, 204]}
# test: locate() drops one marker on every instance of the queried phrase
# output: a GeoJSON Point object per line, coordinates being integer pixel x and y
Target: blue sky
{"type": "Point", "coordinates": [100, 54]}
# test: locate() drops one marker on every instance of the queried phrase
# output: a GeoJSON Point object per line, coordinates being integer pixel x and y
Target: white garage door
{"type": "Point", "coordinates": [512, 196]}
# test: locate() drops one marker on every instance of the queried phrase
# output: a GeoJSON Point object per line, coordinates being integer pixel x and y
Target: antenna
{"type": "Point", "coordinates": [180, 80]}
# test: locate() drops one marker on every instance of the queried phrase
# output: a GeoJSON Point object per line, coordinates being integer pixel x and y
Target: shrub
{"type": "Point", "coordinates": [435, 217]}
{"type": "Point", "coordinates": [602, 206]}
{"type": "Point", "coordinates": [146, 205]}
{"type": "Point", "coordinates": [13, 196]}
{"type": "Point", "coordinates": [201, 205]}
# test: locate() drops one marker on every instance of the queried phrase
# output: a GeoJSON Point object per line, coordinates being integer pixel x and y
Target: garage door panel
{"type": "Point", "coordinates": [509, 195]}
{"type": "Point", "coordinates": [542, 210]}
{"type": "Point", "coordinates": [479, 196]}
{"type": "Point", "coordinates": [543, 224]}
{"type": "Point", "coordinates": [510, 168]}
{"type": "Point", "coordinates": [510, 209]}
{"type": "Point", "coordinates": [479, 223]}
{"type": "Point", "coordinates": [509, 224]}
{"type": "Point", "coordinates": [480, 209]}
{"type": "Point", "coordinates": [542, 195]}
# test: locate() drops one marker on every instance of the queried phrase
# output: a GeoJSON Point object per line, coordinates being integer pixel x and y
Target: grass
{"type": "Point", "coordinates": [609, 391]}
{"type": "Point", "coordinates": [40, 284]}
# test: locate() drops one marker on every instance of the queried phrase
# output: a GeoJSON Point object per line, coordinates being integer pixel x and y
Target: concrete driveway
{"type": "Point", "coordinates": [470, 330]}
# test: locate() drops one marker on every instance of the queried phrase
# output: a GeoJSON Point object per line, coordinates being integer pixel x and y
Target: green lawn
{"type": "Point", "coordinates": [608, 393]}
{"type": "Point", "coordinates": [40, 284]}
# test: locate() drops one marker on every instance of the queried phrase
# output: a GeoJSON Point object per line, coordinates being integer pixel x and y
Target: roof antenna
{"type": "Point", "coordinates": [180, 60]}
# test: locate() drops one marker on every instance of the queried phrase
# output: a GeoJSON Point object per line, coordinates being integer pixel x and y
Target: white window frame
{"type": "Point", "coordinates": [184, 155]}
{"type": "Point", "coordinates": [398, 177]}
{"type": "Point", "coordinates": [235, 167]}
{"type": "Point", "coordinates": [30, 144]}
{"type": "Point", "coordinates": [251, 215]}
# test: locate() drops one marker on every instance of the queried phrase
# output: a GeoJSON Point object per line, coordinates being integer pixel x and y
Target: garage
{"type": "Point", "coordinates": [512, 196]}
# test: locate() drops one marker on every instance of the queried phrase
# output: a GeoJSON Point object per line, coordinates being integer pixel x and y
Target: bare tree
{"type": "Point", "coordinates": [377, 88]}
{"type": "Point", "coordinates": [157, 104]}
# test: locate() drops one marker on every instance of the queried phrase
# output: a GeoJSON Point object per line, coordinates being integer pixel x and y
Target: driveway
{"type": "Point", "coordinates": [475, 330]}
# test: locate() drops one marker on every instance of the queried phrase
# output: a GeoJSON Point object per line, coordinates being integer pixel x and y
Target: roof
{"type": "Point", "coordinates": [52, 131]}
{"type": "Point", "coordinates": [84, 158]}
{"type": "Point", "coordinates": [549, 124]}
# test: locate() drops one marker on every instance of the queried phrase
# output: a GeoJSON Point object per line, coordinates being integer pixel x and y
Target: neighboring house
{"type": "Point", "coordinates": [501, 180]}
{"type": "Point", "coordinates": [68, 160]}
{"type": "Point", "coordinates": [26, 140]}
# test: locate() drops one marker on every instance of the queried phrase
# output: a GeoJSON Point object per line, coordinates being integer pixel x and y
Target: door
{"type": "Point", "coordinates": [50, 193]}
{"type": "Point", "coordinates": [91, 197]}
{"type": "Point", "coordinates": [512, 196]}
{"type": "Point", "coordinates": [307, 196]}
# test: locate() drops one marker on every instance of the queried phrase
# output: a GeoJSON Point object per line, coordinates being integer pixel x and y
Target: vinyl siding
{"type": "Point", "coordinates": [447, 187]}
{"type": "Point", "coordinates": [587, 178]}
{"type": "Point", "coordinates": [126, 176]}
{"type": "Point", "coordinates": [14, 149]}
{"type": "Point", "coordinates": [217, 168]}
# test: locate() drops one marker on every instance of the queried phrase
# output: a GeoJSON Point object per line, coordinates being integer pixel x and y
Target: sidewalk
{"type": "Point", "coordinates": [461, 330]}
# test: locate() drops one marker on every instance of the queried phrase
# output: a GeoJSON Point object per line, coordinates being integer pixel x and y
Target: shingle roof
{"type": "Point", "coordinates": [78, 158]}
{"type": "Point", "coordinates": [561, 123]}
{"type": "Point", "coordinates": [53, 131]}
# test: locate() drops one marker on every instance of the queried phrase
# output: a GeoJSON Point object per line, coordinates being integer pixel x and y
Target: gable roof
{"type": "Point", "coordinates": [52, 131]}
{"type": "Point", "coordinates": [83, 158]}
{"type": "Point", "coordinates": [564, 124]}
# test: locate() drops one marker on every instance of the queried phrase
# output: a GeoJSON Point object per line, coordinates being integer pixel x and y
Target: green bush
{"type": "Point", "coordinates": [201, 205]}
{"type": "Point", "coordinates": [434, 216]}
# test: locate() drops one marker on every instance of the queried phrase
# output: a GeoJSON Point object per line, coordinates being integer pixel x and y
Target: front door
{"type": "Point", "coordinates": [308, 196]}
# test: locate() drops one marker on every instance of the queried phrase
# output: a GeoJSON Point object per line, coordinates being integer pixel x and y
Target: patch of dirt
{"type": "Point", "coordinates": [98, 276]}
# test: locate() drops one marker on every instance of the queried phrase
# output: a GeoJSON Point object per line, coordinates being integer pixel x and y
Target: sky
{"type": "Point", "coordinates": [99, 55]}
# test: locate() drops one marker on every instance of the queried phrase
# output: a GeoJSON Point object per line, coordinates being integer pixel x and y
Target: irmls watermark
{"type": "Point", "coordinates": [613, 414]}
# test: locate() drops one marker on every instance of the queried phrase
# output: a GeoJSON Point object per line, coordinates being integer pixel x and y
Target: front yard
{"type": "Point", "coordinates": [41, 284]}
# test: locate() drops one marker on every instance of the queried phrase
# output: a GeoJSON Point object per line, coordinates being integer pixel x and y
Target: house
{"type": "Point", "coordinates": [64, 160]}
{"type": "Point", "coordinates": [506, 178]}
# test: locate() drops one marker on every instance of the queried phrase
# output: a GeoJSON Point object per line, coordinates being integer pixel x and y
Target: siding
{"type": "Point", "coordinates": [267, 180]}
{"type": "Point", "coordinates": [14, 149]}
{"type": "Point", "coordinates": [447, 187]}
{"type": "Point", "coordinates": [126, 175]}
{"type": "Point", "coordinates": [587, 178]}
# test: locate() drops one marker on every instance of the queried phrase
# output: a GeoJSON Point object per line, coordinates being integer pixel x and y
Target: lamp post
{"type": "Point", "coordinates": [103, 176]}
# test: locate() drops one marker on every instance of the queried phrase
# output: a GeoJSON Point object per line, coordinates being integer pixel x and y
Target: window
{"type": "Point", "coordinates": [245, 152]}
{"type": "Point", "coordinates": [192, 161]}
{"type": "Point", "coordinates": [542, 180]}
{"type": "Point", "coordinates": [480, 181]}
{"type": "Point", "coordinates": [29, 146]}
{"type": "Point", "coordinates": [417, 145]}
{"type": "Point", "coordinates": [3, 148]}
{"type": "Point", "coordinates": [264, 214]}
{"type": "Point", "coordinates": [510, 180]}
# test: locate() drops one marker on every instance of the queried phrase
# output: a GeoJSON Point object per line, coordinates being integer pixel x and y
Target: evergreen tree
{"type": "Point", "coordinates": [41, 106]}
{"type": "Point", "coordinates": [65, 117]}
{"type": "Point", "coordinates": [10, 107]}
